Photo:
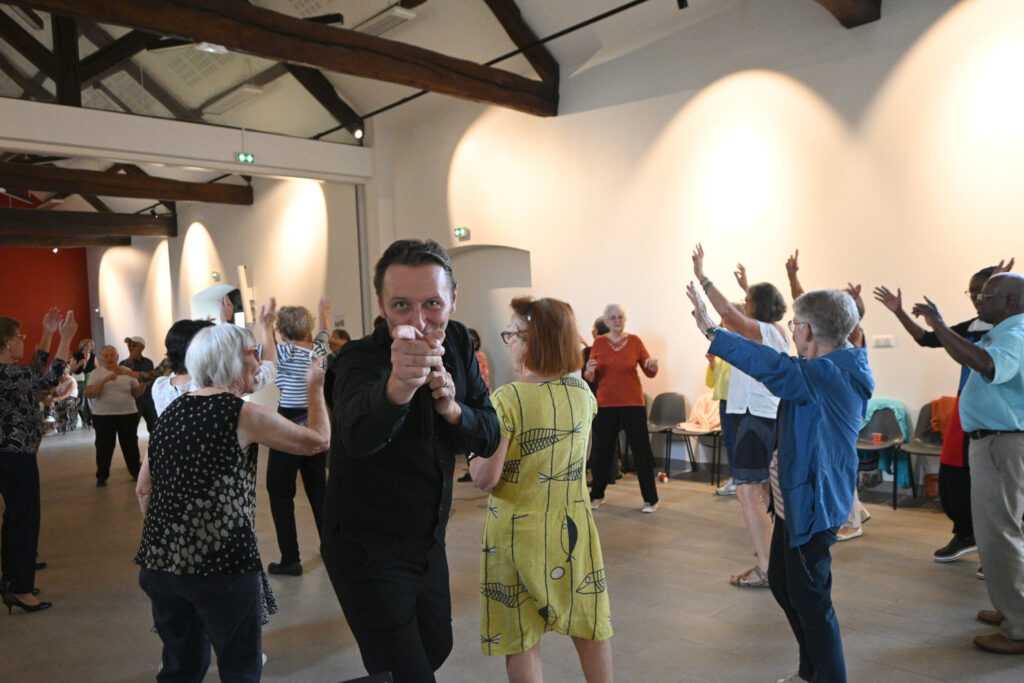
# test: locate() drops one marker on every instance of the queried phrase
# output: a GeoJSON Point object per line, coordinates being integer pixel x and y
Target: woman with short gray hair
{"type": "Point", "coordinates": [203, 576]}
{"type": "Point", "coordinates": [814, 473]}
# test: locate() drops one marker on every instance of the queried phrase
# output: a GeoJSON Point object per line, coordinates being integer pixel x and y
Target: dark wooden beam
{"type": "Point", "coordinates": [111, 58]}
{"type": "Point", "coordinates": [86, 223]}
{"type": "Point", "coordinates": [97, 36]}
{"type": "Point", "coordinates": [542, 61]}
{"type": "Point", "coordinates": [320, 88]}
{"type": "Point", "coordinates": [15, 239]}
{"type": "Point", "coordinates": [853, 13]}
{"type": "Point", "coordinates": [240, 26]}
{"type": "Point", "coordinates": [30, 87]}
{"type": "Point", "coordinates": [96, 203]}
{"type": "Point", "coordinates": [65, 50]}
{"type": "Point", "coordinates": [30, 48]}
{"type": "Point", "coordinates": [68, 181]}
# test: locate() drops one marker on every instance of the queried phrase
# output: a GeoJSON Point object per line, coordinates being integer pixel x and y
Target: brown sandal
{"type": "Point", "coordinates": [752, 578]}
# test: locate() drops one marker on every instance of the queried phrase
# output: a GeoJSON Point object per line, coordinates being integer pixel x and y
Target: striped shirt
{"type": "Point", "coordinates": [292, 362]}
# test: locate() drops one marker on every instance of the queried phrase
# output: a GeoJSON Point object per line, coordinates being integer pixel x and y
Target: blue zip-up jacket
{"type": "Point", "coordinates": [819, 418]}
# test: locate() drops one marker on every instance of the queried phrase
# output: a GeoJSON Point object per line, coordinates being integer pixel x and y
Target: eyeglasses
{"type": "Point", "coordinates": [508, 335]}
{"type": "Point", "coordinates": [973, 293]}
{"type": "Point", "coordinates": [793, 323]}
{"type": "Point", "coordinates": [19, 337]}
{"type": "Point", "coordinates": [984, 297]}
{"type": "Point", "coordinates": [254, 352]}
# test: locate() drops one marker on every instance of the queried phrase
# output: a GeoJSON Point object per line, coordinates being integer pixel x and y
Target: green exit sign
{"type": "Point", "coordinates": [245, 158]}
{"type": "Point", "coordinates": [461, 234]}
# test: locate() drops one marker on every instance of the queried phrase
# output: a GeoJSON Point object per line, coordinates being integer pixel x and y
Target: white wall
{"type": "Point", "coordinates": [840, 143]}
{"type": "Point", "coordinates": [298, 240]}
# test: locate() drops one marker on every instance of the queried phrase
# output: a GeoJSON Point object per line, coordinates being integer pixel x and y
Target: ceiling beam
{"type": "Point", "coordinates": [30, 87]}
{"type": "Point", "coordinates": [110, 58]}
{"type": "Point", "coordinates": [100, 38]}
{"type": "Point", "coordinates": [540, 58]}
{"type": "Point", "coordinates": [86, 223]}
{"type": "Point", "coordinates": [65, 51]}
{"type": "Point", "coordinates": [240, 26]}
{"type": "Point", "coordinates": [320, 88]}
{"type": "Point", "coordinates": [24, 42]}
{"type": "Point", "coordinates": [853, 13]}
{"type": "Point", "coordinates": [15, 239]}
{"type": "Point", "coordinates": [69, 181]}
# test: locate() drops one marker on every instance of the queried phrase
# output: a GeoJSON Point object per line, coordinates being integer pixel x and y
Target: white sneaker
{"type": "Point", "coordinates": [795, 676]}
{"type": "Point", "coordinates": [596, 503]}
{"type": "Point", "coordinates": [264, 657]}
{"type": "Point", "coordinates": [648, 507]}
{"type": "Point", "coordinates": [727, 489]}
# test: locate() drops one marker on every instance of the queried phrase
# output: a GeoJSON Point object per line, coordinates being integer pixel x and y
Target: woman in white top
{"type": "Point", "coordinates": [112, 393]}
{"type": "Point", "coordinates": [298, 351]}
{"type": "Point", "coordinates": [752, 409]}
{"type": "Point", "coordinates": [63, 403]}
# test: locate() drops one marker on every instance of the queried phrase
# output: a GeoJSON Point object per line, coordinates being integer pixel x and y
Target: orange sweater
{"type": "Point", "coordinates": [618, 383]}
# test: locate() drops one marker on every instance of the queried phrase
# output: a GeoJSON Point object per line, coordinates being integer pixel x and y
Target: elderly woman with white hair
{"type": "Point", "coordinates": [814, 472]}
{"type": "Point", "coordinates": [614, 359]}
{"type": "Point", "coordinates": [200, 562]}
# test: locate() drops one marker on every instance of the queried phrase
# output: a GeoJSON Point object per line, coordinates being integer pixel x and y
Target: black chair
{"type": "Point", "coordinates": [884, 422]}
{"type": "Point", "coordinates": [926, 441]}
{"type": "Point", "coordinates": [668, 410]}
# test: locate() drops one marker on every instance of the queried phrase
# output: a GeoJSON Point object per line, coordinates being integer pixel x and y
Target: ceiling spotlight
{"type": "Point", "coordinates": [212, 48]}
{"type": "Point", "coordinates": [358, 133]}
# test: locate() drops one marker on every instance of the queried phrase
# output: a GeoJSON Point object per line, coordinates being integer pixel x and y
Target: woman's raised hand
{"type": "Point", "coordinates": [268, 313]}
{"type": "Point", "coordinates": [68, 326]}
{"type": "Point", "coordinates": [698, 262]}
{"type": "Point", "coordinates": [700, 310]}
{"type": "Point", "coordinates": [51, 321]}
{"type": "Point", "coordinates": [741, 276]}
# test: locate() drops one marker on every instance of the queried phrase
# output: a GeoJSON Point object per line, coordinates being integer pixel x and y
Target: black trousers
{"type": "Point", "coordinates": [19, 535]}
{"type": "Point", "coordinates": [111, 429]}
{"type": "Point", "coordinates": [192, 613]}
{"type": "Point", "coordinates": [282, 471]}
{"type": "Point", "coordinates": [955, 494]}
{"type": "Point", "coordinates": [606, 427]}
{"type": "Point", "coordinates": [400, 611]}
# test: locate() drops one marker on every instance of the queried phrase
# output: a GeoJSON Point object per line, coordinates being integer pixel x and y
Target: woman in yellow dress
{"type": "Point", "coordinates": [541, 568]}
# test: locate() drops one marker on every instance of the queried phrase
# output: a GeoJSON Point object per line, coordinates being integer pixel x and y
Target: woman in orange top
{"type": "Point", "coordinates": [613, 364]}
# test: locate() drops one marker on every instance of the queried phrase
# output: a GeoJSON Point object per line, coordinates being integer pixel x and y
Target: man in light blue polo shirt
{"type": "Point", "coordinates": [992, 413]}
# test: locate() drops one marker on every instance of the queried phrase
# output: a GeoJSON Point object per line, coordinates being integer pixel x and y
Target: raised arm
{"type": "Point", "coordinates": [323, 308]}
{"type": "Point", "coordinates": [51, 321]}
{"type": "Point", "coordinates": [959, 349]}
{"type": "Point", "coordinates": [733, 319]}
{"type": "Point", "coordinates": [792, 266]}
{"type": "Point", "coordinates": [894, 302]}
{"type": "Point", "coordinates": [257, 424]}
{"type": "Point", "coordinates": [267, 319]}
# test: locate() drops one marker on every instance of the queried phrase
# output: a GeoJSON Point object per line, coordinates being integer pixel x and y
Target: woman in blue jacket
{"type": "Point", "coordinates": [814, 472]}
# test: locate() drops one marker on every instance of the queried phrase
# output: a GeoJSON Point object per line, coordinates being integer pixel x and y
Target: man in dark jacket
{"type": "Point", "coordinates": [406, 399]}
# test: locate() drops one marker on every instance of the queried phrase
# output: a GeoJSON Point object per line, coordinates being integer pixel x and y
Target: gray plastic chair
{"type": "Point", "coordinates": [884, 422]}
{"type": "Point", "coordinates": [926, 441]}
{"type": "Point", "coordinates": [668, 410]}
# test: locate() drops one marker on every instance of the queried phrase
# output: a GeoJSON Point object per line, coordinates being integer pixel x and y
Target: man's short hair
{"type": "Point", "coordinates": [214, 358]}
{"type": "Point", "coordinates": [341, 334]}
{"type": "Point", "coordinates": [412, 253]}
{"type": "Point", "coordinates": [831, 314]}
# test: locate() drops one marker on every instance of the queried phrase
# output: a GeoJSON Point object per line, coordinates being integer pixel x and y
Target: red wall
{"type": "Point", "coordinates": [33, 280]}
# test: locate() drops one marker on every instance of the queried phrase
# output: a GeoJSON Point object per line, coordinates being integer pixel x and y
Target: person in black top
{"type": "Point", "coordinates": [406, 399]}
{"type": "Point", "coordinates": [954, 478]}
{"type": "Point", "coordinates": [199, 560]}
{"type": "Point", "coordinates": [141, 365]}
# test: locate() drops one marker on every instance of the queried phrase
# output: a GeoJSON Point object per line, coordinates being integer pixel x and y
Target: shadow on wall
{"type": "Point", "coordinates": [489, 277]}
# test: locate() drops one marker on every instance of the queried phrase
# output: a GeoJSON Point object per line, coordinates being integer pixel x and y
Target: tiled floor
{"type": "Point", "coordinates": [904, 617]}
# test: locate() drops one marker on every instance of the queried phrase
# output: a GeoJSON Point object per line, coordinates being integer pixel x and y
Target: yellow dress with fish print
{"type": "Point", "coordinates": [541, 567]}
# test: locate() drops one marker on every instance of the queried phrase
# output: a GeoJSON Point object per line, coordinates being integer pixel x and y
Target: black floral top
{"type": "Point", "coordinates": [201, 517]}
{"type": "Point", "coordinates": [20, 428]}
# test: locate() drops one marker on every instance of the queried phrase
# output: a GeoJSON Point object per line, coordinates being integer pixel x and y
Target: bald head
{"type": "Point", "coordinates": [1002, 296]}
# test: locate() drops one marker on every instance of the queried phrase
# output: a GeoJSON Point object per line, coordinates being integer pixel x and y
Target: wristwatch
{"type": "Point", "coordinates": [710, 332]}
